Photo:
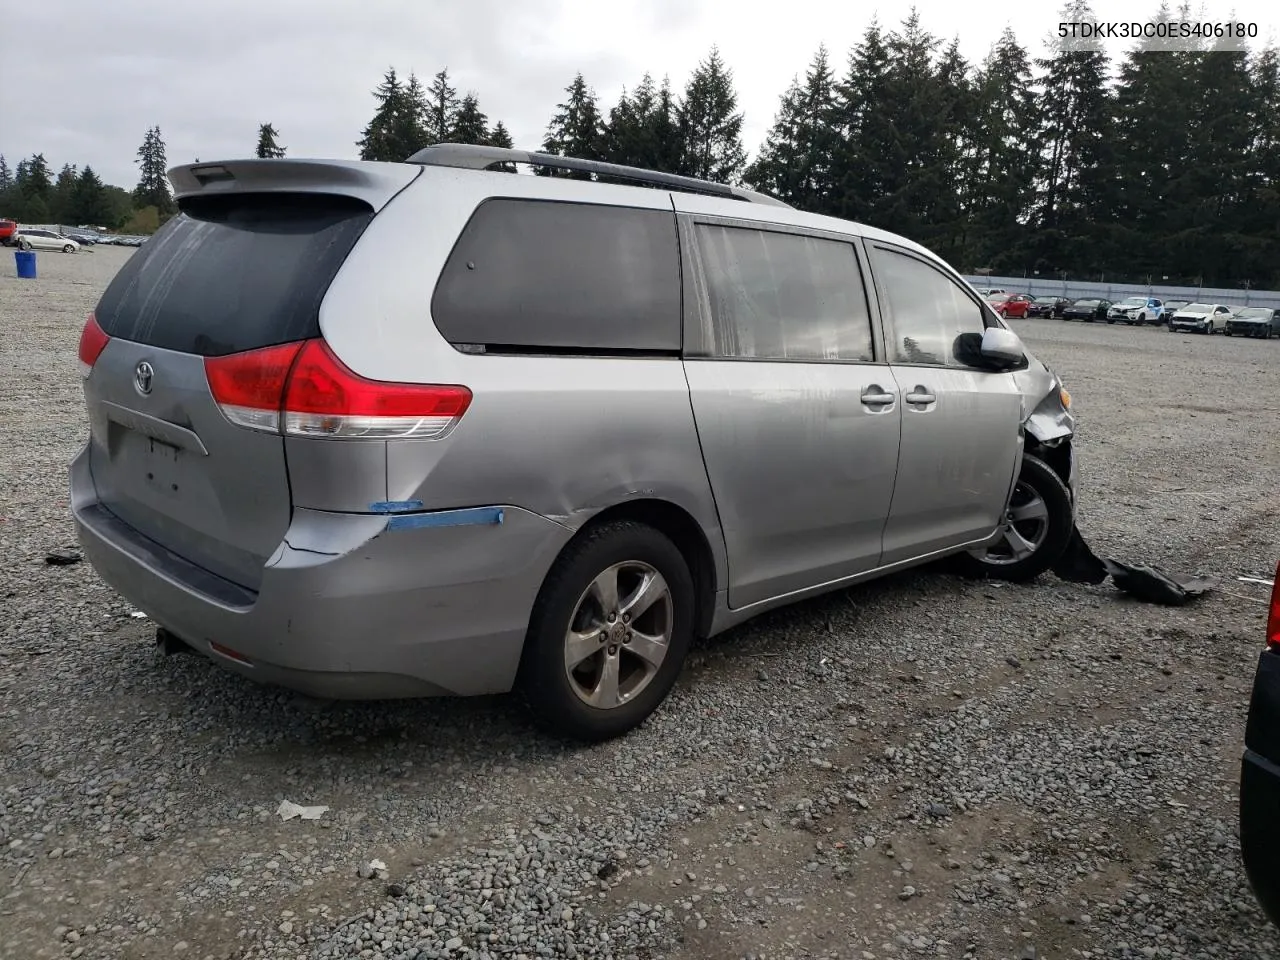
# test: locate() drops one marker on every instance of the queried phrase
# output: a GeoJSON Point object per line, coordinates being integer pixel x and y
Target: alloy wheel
{"type": "Point", "coordinates": [619, 634]}
{"type": "Point", "coordinates": [1026, 525]}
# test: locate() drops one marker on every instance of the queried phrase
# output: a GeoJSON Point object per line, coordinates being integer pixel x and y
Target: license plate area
{"type": "Point", "coordinates": [160, 465]}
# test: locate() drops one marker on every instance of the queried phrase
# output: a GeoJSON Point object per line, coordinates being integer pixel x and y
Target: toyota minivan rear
{"type": "Point", "coordinates": [235, 484]}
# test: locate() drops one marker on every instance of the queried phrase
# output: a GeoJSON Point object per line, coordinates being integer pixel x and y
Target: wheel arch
{"type": "Point", "coordinates": [679, 526]}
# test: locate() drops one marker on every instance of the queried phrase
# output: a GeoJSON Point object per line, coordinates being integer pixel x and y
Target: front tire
{"type": "Point", "coordinates": [1036, 531]}
{"type": "Point", "coordinates": [24, 245]}
{"type": "Point", "coordinates": [609, 632]}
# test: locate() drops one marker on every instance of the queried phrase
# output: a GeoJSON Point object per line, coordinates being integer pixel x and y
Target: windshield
{"type": "Point", "coordinates": [1086, 303]}
{"type": "Point", "coordinates": [1197, 308]}
{"type": "Point", "coordinates": [1046, 299]}
{"type": "Point", "coordinates": [1134, 302]}
{"type": "Point", "coordinates": [1254, 313]}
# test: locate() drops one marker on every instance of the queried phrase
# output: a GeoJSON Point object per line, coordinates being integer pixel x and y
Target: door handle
{"type": "Point", "coordinates": [920, 395]}
{"type": "Point", "coordinates": [875, 396]}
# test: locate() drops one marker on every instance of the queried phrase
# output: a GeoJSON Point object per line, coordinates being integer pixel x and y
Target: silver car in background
{"type": "Point", "coordinates": [546, 443]}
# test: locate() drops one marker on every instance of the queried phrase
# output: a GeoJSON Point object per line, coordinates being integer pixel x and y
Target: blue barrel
{"type": "Point", "coordinates": [26, 261]}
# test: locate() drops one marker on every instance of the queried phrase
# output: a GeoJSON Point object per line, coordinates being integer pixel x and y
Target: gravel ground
{"type": "Point", "coordinates": [1038, 772]}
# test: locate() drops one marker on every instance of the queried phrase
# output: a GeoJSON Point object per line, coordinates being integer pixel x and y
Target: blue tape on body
{"type": "Point", "coordinates": [477, 516]}
{"type": "Point", "coordinates": [396, 506]}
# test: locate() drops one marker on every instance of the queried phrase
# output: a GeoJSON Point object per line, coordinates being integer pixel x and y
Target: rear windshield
{"type": "Point", "coordinates": [234, 273]}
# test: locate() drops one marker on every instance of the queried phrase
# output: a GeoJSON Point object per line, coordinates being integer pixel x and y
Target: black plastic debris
{"type": "Point", "coordinates": [1079, 564]}
{"type": "Point", "coordinates": [1155, 585]}
{"type": "Point", "coordinates": [62, 558]}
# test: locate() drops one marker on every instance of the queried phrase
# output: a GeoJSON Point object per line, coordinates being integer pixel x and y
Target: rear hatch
{"type": "Point", "coordinates": [243, 267]}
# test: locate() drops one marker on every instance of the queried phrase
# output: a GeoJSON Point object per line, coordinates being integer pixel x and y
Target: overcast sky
{"type": "Point", "coordinates": [88, 77]}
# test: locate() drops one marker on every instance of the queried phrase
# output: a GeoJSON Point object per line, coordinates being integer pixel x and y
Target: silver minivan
{"type": "Point", "coordinates": [377, 430]}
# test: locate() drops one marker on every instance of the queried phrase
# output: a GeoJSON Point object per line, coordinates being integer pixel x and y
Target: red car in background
{"type": "Point", "coordinates": [8, 230]}
{"type": "Point", "coordinates": [1013, 305]}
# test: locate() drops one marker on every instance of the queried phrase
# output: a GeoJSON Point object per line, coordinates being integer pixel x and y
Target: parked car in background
{"type": "Point", "coordinates": [82, 238]}
{"type": "Point", "coordinates": [1254, 322]}
{"type": "Point", "coordinates": [1260, 771]}
{"type": "Point", "coordinates": [1172, 306]}
{"type": "Point", "coordinates": [1088, 310]}
{"type": "Point", "coordinates": [291, 494]}
{"type": "Point", "coordinates": [1048, 306]}
{"type": "Point", "coordinates": [1136, 310]}
{"type": "Point", "coordinates": [1009, 304]}
{"type": "Point", "coordinates": [46, 240]}
{"type": "Point", "coordinates": [1207, 318]}
{"type": "Point", "coordinates": [8, 230]}
{"type": "Point", "coordinates": [990, 291]}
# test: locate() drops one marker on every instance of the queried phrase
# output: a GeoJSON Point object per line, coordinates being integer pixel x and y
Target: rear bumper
{"type": "Point", "coordinates": [351, 606]}
{"type": "Point", "coordinates": [1260, 787]}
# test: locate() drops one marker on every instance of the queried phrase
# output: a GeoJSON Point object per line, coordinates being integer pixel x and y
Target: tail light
{"type": "Point", "coordinates": [1273, 616]}
{"type": "Point", "coordinates": [303, 389]}
{"type": "Point", "coordinates": [93, 340]}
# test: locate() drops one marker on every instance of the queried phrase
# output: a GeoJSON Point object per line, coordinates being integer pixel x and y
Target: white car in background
{"type": "Point", "coordinates": [46, 240]}
{"type": "Point", "coordinates": [1208, 318]}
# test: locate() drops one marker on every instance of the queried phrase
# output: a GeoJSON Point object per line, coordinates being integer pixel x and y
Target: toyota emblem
{"type": "Point", "coordinates": [143, 374]}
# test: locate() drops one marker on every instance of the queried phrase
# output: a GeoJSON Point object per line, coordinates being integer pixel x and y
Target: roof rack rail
{"type": "Point", "coordinates": [470, 156]}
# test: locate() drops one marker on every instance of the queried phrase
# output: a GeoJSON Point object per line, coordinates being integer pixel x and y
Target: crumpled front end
{"type": "Point", "coordinates": [1049, 426]}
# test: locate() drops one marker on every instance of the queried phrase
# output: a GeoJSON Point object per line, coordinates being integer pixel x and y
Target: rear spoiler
{"type": "Point", "coordinates": [374, 183]}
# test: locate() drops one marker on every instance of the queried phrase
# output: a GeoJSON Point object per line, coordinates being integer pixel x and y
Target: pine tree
{"type": "Point", "coordinates": [441, 105]}
{"type": "Point", "coordinates": [910, 170]}
{"type": "Point", "coordinates": [89, 201]}
{"type": "Point", "coordinates": [153, 185]}
{"type": "Point", "coordinates": [1155, 95]}
{"type": "Point", "coordinates": [34, 179]}
{"type": "Point", "coordinates": [575, 130]}
{"type": "Point", "coordinates": [60, 198]}
{"type": "Point", "coordinates": [393, 134]}
{"type": "Point", "coordinates": [796, 160]}
{"type": "Point", "coordinates": [863, 125]}
{"type": "Point", "coordinates": [6, 175]}
{"type": "Point", "coordinates": [499, 137]}
{"type": "Point", "coordinates": [1220, 155]}
{"type": "Point", "coordinates": [411, 125]}
{"type": "Point", "coordinates": [642, 130]}
{"type": "Point", "coordinates": [1261, 218]}
{"type": "Point", "coordinates": [999, 182]}
{"type": "Point", "coordinates": [469, 124]}
{"type": "Point", "coordinates": [946, 210]}
{"type": "Point", "coordinates": [268, 148]}
{"type": "Point", "coordinates": [1075, 136]}
{"type": "Point", "coordinates": [710, 124]}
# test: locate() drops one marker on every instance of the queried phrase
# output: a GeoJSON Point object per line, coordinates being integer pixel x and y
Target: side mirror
{"type": "Point", "coordinates": [1002, 347]}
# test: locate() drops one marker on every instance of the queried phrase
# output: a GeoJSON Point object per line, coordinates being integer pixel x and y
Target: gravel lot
{"type": "Point", "coordinates": [921, 767]}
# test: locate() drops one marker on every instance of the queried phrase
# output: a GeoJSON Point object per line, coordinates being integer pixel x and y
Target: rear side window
{"type": "Point", "coordinates": [780, 296]}
{"type": "Point", "coordinates": [234, 273]}
{"type": "Point", "coordinates": [928, 312]}
{"type": "Point", "coordinates": [538, 275]}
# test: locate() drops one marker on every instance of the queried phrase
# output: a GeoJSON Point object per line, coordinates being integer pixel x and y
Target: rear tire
{"type": "Point", "coordinates": [1037, 529]}
{"type": "Point", "coordinates": [68, 249]}
{"type": "Point", "coordinates": [570, 622]}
